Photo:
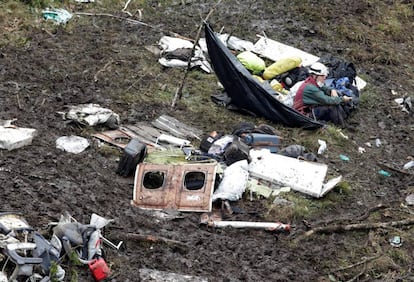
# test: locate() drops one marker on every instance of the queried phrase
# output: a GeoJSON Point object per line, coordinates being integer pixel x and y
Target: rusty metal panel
{"type": "Point", "coordinates": [183, 187]}
{"type": "Point", "coordinates": [115, 137]}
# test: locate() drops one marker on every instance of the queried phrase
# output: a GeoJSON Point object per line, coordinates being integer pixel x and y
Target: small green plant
{"type": "Point", "coordinates": [40, 3]}
{"type": "Point", "coordinates": [53, 271]}
{"type": "Point", "coordinates": [74, 259]}
{"type": "Point", "coordinates": [74, 276]}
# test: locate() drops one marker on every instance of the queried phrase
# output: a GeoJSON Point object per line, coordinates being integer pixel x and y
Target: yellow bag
{"type": "Point", "coordinates": [252, 62]}
{"type": "Point", "coordinates": [281, 66]}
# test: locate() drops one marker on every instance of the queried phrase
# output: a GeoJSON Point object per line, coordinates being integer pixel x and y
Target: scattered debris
{"type": "Point", "coordinates": [302, 176]}
{"type": "Point", "coordinates": [176, 128]}
{"type": "Point", "coordinates": [358, 226]}
{"type": "Point", "coordinates": [85, 241]}
{"type": "Point", "coordinates": [134, 153]}
{"type": "Point", "coordinates": [344, 158]}
{"type": "Point", "coordinates": [361, 150]}
{"type": "Point", "coordinates": [405, 104]}
{"type": "Point", "coordinates": [146, 274]}
{"type": "Point", "coordinates": [182, 186]}
{"type": "Point", "coordinates": [172, 140]}
{"type": "Point", "coordinates": [117, 137]}
{"type": "Point", "coordinates": [217, 222]}
{"type": "Point", "coordinates": [26, 253]}
{"type": "Point", "coordinates": [322, 146]}
{"type": "Point", "coordinates": [396, 241]}
{"type": "Point", "coordinates": [152, 239]}
{"type": "Point", "coordinates": [72, 144]}
{"type": "Point", "coordinates": [378, 142]}
{"type": "Point", "coordinates": [410, 200]}
{"type": "Point", "coordinates": [409, 165]}
{"type": "Point", "coordinates": [60, 16]}
{"type": "Point", "coordinates": [177, 52]}
{"type": "Point", "coordinates": [12, 137]}
{"type": "Point", "coordinates": [384, 173]}
{"type": "Point", "coordinates": [93, 114]}
{"type": "Point", "coordinates": [342, 134]}
{"type": "Point", "coordinates": [234, 182]}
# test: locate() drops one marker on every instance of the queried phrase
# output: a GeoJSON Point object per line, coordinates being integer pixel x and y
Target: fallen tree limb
{"type": "Point", "coordinates": [95, 78]}
{"type": "Point", "coordinates": [358, 226]}
{"type": "Point", "coordinates": [387, 166]}
{"type": "Point", "coordinates": [365, 260]}
{"type": "Point", "coordinates": [115, 17]}
{"type": "Point", "coordinates": [152, 239]}
{"type": "Point", "coordinates": [371, 210]}
{"type": "Point", "coordinates": [179, 92]}
{"type": "Point", "coordinates": [344, 219]}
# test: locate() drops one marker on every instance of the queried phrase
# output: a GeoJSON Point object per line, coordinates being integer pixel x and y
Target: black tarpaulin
{"type": "Point", "coordinates": [246, 92]}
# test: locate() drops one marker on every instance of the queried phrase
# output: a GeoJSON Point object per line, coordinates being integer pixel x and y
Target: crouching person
{"type": "Point", "coordinates": [315, 100]}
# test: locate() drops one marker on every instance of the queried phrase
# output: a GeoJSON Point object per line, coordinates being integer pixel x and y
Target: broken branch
{"type": "Point", "coordinates": [387, 166]}
{"type": "Point", "coordinates": [95, 78]}
{"type": "Point", "coordinates": [153, 239]}
{"type": "Point", "coordinates": [113, 16]}
{"type": "Point", "coordinates": [365, 260]}
{"type": "Point", "coordinates": [359, 226]}
{"type": "Point", "coordinates": [179, 91]}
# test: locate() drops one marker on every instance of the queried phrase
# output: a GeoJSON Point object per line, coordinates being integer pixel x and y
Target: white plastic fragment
{"type": "Point", "coordinates": [60, 16]}
{"type": "Point", "coordinates": [169, 44]}
{"type": "Point", "coordinates": [343, 135]}
{"type": "Point", "coordinates": [92, 114]}
{"type": "Point", "coordinates": [173, 140]}
{"type": "Point", "coordinates": [409, 165]}
{"type": "Point", "coordinates": [361, 150]}
{"type": "Point", "coordinates": [302, 176]}
{"type": "Point", "coordinates": [410, 200]}
{"type": "Point", "coordinates": [322, 146]}
{"type": "Point", "coordinates": [234, 182]}
{"type": "Point", "coordinates": [15, 137]}
{"type": "Point", "coordinates": [378, 142]}
{"type": "Point", "coordinates": [72, 144]}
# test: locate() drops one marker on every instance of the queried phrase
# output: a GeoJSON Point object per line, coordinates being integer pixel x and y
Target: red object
{"type": "Point", "coordinates": [99, 269]}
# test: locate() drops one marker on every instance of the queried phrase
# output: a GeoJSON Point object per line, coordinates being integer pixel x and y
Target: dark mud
{"type": "Point", "coordinates": [59, 67]}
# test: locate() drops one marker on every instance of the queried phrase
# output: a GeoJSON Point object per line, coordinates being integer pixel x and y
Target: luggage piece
{"type": "Point", "coordinates": [208, 140]}
{"type": "Point", "coordinates": [267, 141]}
{"type": "Point", "coordinates": [236, 151]}
{"type": "Point", "coordinates": [134, 153]}
{"type": "Point", "coordinates": [281, 66]}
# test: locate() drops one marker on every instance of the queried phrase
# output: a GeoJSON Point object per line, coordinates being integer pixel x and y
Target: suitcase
{"type": "Point", "coordinates": [267, 141]}
{"type": "Point", "coordinates": [134, 153]}
{"type": "Point", "coordinates": [208, 140]}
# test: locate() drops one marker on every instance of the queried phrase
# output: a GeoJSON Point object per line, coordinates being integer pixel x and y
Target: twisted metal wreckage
{"type": "Point", "coordinates": [28, 255]}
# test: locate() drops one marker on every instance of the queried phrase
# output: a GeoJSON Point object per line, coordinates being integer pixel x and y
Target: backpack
{"type": "Point", "coordinates": [293, 76]}
{"type": "Point", "coordinates": [344, 69]}
{"type": "Point", "coordinates": [339, 68]}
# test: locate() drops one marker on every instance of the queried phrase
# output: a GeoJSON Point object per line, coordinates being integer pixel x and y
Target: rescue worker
{"type": "Point", "coordinates": [317, 101]}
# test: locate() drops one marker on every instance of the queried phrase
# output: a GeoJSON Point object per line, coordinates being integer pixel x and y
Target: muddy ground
{"type": "Point", "coordinates": [103, 60]}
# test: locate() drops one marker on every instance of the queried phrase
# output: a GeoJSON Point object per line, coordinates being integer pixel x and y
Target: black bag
{"type": "Point", "coordinates": [134, 153]}
{"type": "Point", "coordinates": [208, 140]}
{"type": "Point", "coordinates": [293, 76]}
{"type": "Point", "coordinates": [236, 151]}
{"type": "Point", "coordinates": [344, 69]}
{"type": "Point", "coordinates": [339, 68]}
